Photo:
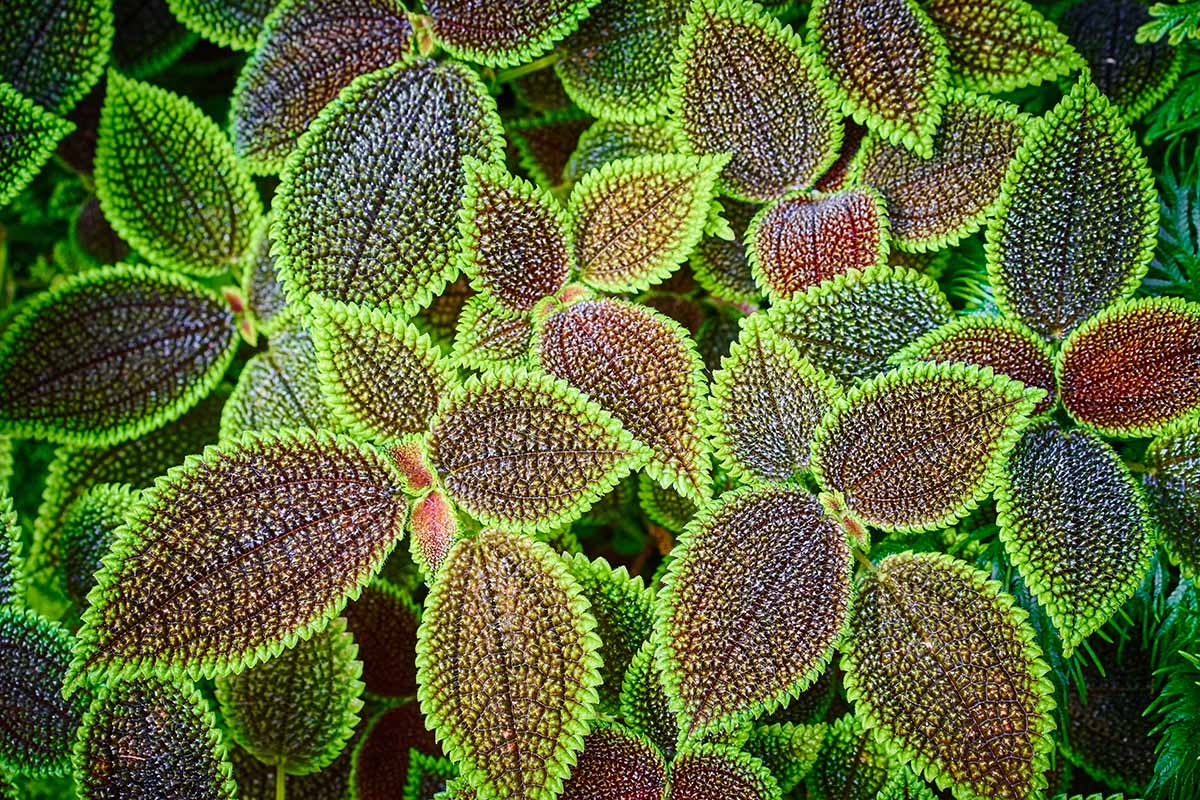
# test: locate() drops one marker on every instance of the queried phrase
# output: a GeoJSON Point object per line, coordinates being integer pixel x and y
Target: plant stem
{"type": "Point", "coordinates": [508, 75]}
{"type": "Point", "coordinates": [862, 559]}
{"type": "Point", "coordinates": [280, 781]}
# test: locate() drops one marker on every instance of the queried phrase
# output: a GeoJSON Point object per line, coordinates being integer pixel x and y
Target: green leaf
{"type": "Point", "coordinates": [919, 447]}
{"type": "Point", "coordinates": [606, 140]}
{"type": "Point", "coordinates": [307, 52]}
{"type": "Point", "coordinates": [183, 201]}
{"type": "Point", "coordinates": [906, 785]}
{"type": "Point", "coordinates": [508, 665]}
{"type": "Point", "coordinates": [298, 709]}
{"type": "Point", "coordinates": [261, 539]}
{"type": "Point", "coordinates": [635, 220]}
{"type": "Point", "coordinates": [54, 55]}
{"type": "Point", "coordinates": [503, 35]}
{"type": "Point", "coordinates": [807, 238]}
{"type": "Point", "coordinates": [644, 705]}
{"type": "Point", "coordinates": [705, 771]}
{"type": "Point", "coordinates": [147, 38]}
{"type": "Point", "coordinates": [528, 452]}
{"type": "Point", "coordinates": [616, 763]}
{"type": "Point", "coordinates": [1172, 482]}
{"type": "Point", "coordinates": [427, 776]}
{"type": "Point", "coordinates": [719, 265]}
{"type": "Point", "coordinates": [149, 739]}
{"type": "Point", "coordinates": [256, 781]}
{"type": "Point", "coordinates": [30, 134]}
{"type": "Point", "coordinates": [265, 298]}
{"type": "Point", "coordinates": [788, 750]}
{"type": "Point", "coordinates": [229, 23]}
{"type": "Point", "coordinates": [384, 623]}
{"type": "Point", "coordinates": [111, 354]}
{"type": "Point", "coordinates": [1104, 373]}
{"type": "Point", "coordinates": [942, 665]}
{"type": "Point", "coordinates": [368, 201]}
{"type": "Point", "coordinates": [852, 765]}
{"type": "Point", "coordinates": [890, 62]}
{"type": "Point", "coordinates": [384, 756]}
{"type": "Point", "coordinates": [489, 337]}
{"type": "Point", "coordinates": [1077, 217]}
{"type": "Point", "coordinates": [545, 143]}
{"type": "Point", "coordinates": [753, 603]}
{"type": "Point", "coordinates": [665, 507]}
{"type": "Point", "coordinates": [643, 368]}
{"type": "Point", "coordinates": [936, 201]}
{"type": "Point", "coordinates": [87, 533]}
{"type": "Point", "coordinates": [12, 560]}
{"type": "Point", "coordinates": [742, 84]}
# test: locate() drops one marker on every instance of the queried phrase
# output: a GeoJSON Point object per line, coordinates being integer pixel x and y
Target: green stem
{"type": "Point", "coordinates": [280, 782]}
{"type": "Point", "coordinates": [862, 559]}
{"type": "Point", "coordinates": [508, 75]}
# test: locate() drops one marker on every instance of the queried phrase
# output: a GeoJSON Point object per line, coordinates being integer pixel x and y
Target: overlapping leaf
{"type": "Point", "coordinates": [906, 785]}
{"type": "Point", "coordinates": [489, 337]}
{"type": "Point", "coordinates": [1172, 482]}
{"type": "Point", "coordinates": [95, 238]}
{"type": "Point", "coordinates": [503, 35]}
{"type": "Point", "coordinates": [615, 762]}
{"type": "Point", "coordinates": [265, 298]}
{"type": "Point", "coordinates": [384, 623]}
{"type": "Point", "coordinates": [545, 142]}
{"type": "Point", "coordinates": [720, 265]}
{"type": "Point", "coordinates": [229, 23]}
{"type": "Point", "coordinates": [838, 175]}
{"type": "Point", "coordinates": [12, 590]}
{"type": "Point", "coordinates": [704, 771]}
{"type": "Point", "coordinates": [147, 38]}
{"type": "Point", "coordinates": [278, 389]}
{"type": "Point", "coordinates": [256, 781]}
{"type": "Point", "coordinates": [87, 534]}
{"type": "Point", "coordinates": [852, 765]}
{"type": "Point", "coordinates": [428, 776]}
{"type": "Point", "coordinates": [54, 55]}
{"type": "Point", "coordinates": [788, 750]}
{"type": "Point", "coordinates": [383, 757]}
{"type": "Point", "coordinates": [662, 506]}
{"type": "Point", "coordinates": [644, 705]}
{"type": "Point", "coordinates": [606, 140]}
{"type": "Point", "coordinates": [30, 134]}
{"type": "Point", "coordinates": [433, 529]}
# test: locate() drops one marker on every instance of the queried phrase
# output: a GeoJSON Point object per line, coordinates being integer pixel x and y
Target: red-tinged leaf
{"type": "Point", "coordinates": [434, 528]}
{"type": "Point", "coordinates": [616, 763]}
{"type": "Point", "coordinates": [383, 756]}
{"type": "Point", "coordinates": [717, 772]}
{"type": "Point", "coordinates": [839, 174]}
{"type": "Point", "coordinates": [503, 34]}
{"type": "Point", "coordinates": [384, 623]}
{"type": "Point", "coordinates": [545, 144]}
{"type": "Point", "coordinates": [1172, 481]}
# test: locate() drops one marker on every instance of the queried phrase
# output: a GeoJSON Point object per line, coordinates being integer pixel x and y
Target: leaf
{"type": "Point", "coordinates": [634, 221]}
{"type": "Point", "coordinates": [54, 55]}
{"type": "Point", "coordinates": [265, 298]}
{"type": "Point", "coordinates": [149, 739]}
{"type": "Point", "coordinates": [1001, 46]}
{"type": "Point", "coordinates": [489, 337]}
{"type": "Point", "coordinates": [890, 62]}
{"type": "Point", "coordinates": [427, 776]}
{"type": "Point", "coordinates": [705, 771]}
{"type": "Point", "coordinates": [545, 143]}
{"type": "Point", "coordinates": [527, 451]}
{"type": "Point", "coordinates": [644, 705]}
{"type": "Point", "coordinates": [368, 201]}
{"type": "Point", "coordinates": [616, 763]}
{"type": "Point", "coordinates": [852, 765]}
{"type": "Point", "coordinates": [605, 140]}
{"type": "Point", "coordinates": [229, 23]}
{"type": "Point", "coordinates": [433, 529]}
{"type": "Point", "coordinates": [906, 785]}
{"type": "Point", "coordinates": [508, 665]}
{"type": "Point", "coordinates": [383, 757]}
{"type": "Point", "coordinates": [838, 175]}
{"type": "Point", "coordinates": [256, 781]}
{"type": "Point", "coordinates": [665, 507]}
{"type": "Point", "coordinates": [183, 201]}
{"type": "Point", "coordinates": [12, 560]}
{"type": "Point", "coordinates": [754, 601]}
{"type": "Point", "coordinates": [30, 134]}
{"type": "Point", "coordinates": [787, 750]}
{"type": "Point", "coordinates": [111, 354]}
{"type": "Point", "coordinates": [942, 663]}
{"type": "Point", "coordinates": [540, 90]}
{"type": "Point", "coordinates": [805, 239]}
{"type": "Point", "coordinates": [94, 238]}
{"type": "Point", "coordinates": [1172, 483]}
{"type": "Point", "coordinates": [147, 38]}
{"type": "Point", "coordinates": [744, 85]}
{"type": "Point", "coordinates": [643, 369]}
{"type": "Point", "coordinates": [87, 533]}
{"type": "Point", "coordinates": [849, 326]}
{"type": "Point", "coordinates": [935, 202]}
{"type": "Point", "coordinates": [307, 52]}
{"type": "Point", "coordinates": [260, 540]}
{"type": "Point", "coordinates": [720, 265]}
{"type": "Point", "coordinates": [505, 35]}
{"type": "Point", "coordinates": [1075, 223]}
{"type": "Point", "coordinates": [917, 448]}
{"type": "Point", "coordinates": [766, 402]}
{"type": "Point", "coordinates": [384, 623]}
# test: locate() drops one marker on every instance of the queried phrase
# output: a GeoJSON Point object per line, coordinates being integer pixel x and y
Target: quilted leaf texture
{"type": "Point", "coordinates": [937, 201]}
{"type": "Point", "coordinates": [545, 143]}
{"type": "Point", "coordinates": [1172, 482]}
{"type": "Point", "coordinates": [12, 560]}
{"type": "Point", "coordinates": [943, 664]}
{"type": "Point", "coordinates": [384, 757]}
{"type": "Point", "coordinates": [1077, 217]}
{"type": "Point", "coordinates": [1076, 526]}
{"type": "Point", "coordinates": [30, 134]}
{"type": "Point", "coordinates": [606, 140]}
{"type": "Point", "coordinates": [528, 452]}
{"type": "Point", "coordinates": [753, 603]}
{"type": "Point", "coordinates": [508, 665]}
{"type": "Point", "coordinates": [634, 221]}
{"type": "Point", "coordinates": [744, 85]}
{"type": "Point", "coordinates": [87, 534]}
{"type": "Point", "coordinates": [54, 55]}
{"type": "Point", "coordinates": [705, 771]}
{"type": "Point", "coordinates": [489, 337]}
{"type": "Point", "coordinates": [266, 300]}
{"type": "Point", "coordinates": [239, 553]}
{"type": "Point", "coordinates": [788, 750]}
{"type": "Point", "coordinates": [169, 182]}
{"type": "Point", "coordinates": [112, 354]}
{"type": "Point", "coordinates": [278, 390]}
{"type": "Point", "coordinates": [644, 705]}
{"type": "Point", "coordinates": [506, 33]}
{"type": "Point", "coordinates": [229, 23]}
{"type": "Point", "coordinates": [720, 265]}
{"type": "Point", "coordinates": [384, 623]}
{"type": "Point", "coordinates": [918, 447]}
{"type": "Point", "coordinates": [906, 785]}
{"type": "Point", "coordinates": [368, 201]}
{"type": "Point", "coordinates": [852, 765]}
{"type": "Point", "coordinates": [616, 762]}
{"type": "Point", "coordinates": [890, 63]}
{"type": "Point", "coordinates": [643, 368]}
{"type": "Point", "coordinates": [1132, 370]}
{"type": "Point", "coordinates": [806, 239]}
{"type": "Point", "coordinates": [307, 52]}
{"type": "Point", "coordinates": [148, 739]}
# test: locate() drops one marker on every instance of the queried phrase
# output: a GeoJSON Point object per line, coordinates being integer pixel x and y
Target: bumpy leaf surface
{"type": "Point", "coordinates": [265, 297]}
{"type": "Point", "coordinates": [384, 623]}
{"type": "Point", "coordinates": [788, 750]}
{"type": "Point", "coordinates": [308, 51]}
{"type": "Point", "coordinates": [256, 781]}
{"type": "Point", "coordinates": [906, 785]}
{"type": "Point", "coordinates": [230, 23]}
{"type": "Point", "coordinates": [508, 665]}
{"type": "Point", "coordinates": [746, 86]}
{"type": "Point", "coordinates": [754, 600]}
{"type": "Point", "coordinates": [503, 34]}
{"type": "Point", "coordinates": [30, 134]}
{"type": "Point", "coordinates": [383, 758]}
{"type": "Point", "coordinates": [940, 661]}
{"type": "Point", "coordinates": [147, 38]}
{"type": "Point", "coordinates": [665, 507]}
{"type": "Point", "coordinates": [715, 772]}
{"type": "Point", "coordinates": [489, 337]}
{"type": "Point", "coordinates": [852, 765]}
{"type": "Point", "coordinates": [644, 705]}
{"type": "Point", "coordinates": [1077, 217]}
{"type": "Point", "coordinates": [54, 54]}
{"type": "Point", "coordinates": [278, 389]}
{"type": "Point", "coordinates": [606, 140]}
{"type": "Point", "coordinates": [169, 182]}
{"type": "Point", "coordinates": [545, 143]}
{"type": "Point", "coordinates": [367, 206]}
{"type": "Point", "coordinates": [918, 447]}
{"type": "Point", "coordinates": [12, 560]}
{"type": "Point", "coordinates": [838, 175]}
{"type": "Point", "coordinates": [112, 354]}
{"type": "Point", "coordinates": [1172, 482]}
{"type": "Point", "coordinates": [237, 553]}
{"type": "Point", "coordinates": [428, 776]}
{"type": "Point", "coordinates": [720, 265]}
{"type": "Point", "coordinates": [615, 762]}
{"type": "Point", "coordinates": [433, 527]}
{"type": "Point", "coordinates": [87, 534]}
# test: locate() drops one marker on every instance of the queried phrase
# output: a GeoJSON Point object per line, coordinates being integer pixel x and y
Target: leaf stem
{"type": "Point", "coordinates": [862, 559]}
{"type": "Point", "coordinates": [280, 781]}
{"type": "Point", "coordinates": [508, 75]}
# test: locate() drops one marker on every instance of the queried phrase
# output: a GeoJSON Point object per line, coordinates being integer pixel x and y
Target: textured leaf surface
{"type": "Point", "coordinates": [545, 143]}
{"type": "Point", "coordinates": [788, 750]}
{"type": "Point", "coordinates": [919, 447]}
{"type": "Point", "coordinates": [714, 772]}
{"type": "Point", "coordinates": [308, 51]}
{"type": "Point", "coordinates": [256, 781]}
{"type": "Point", "coordinates": [229, 23]}
{"type": "Point", "coordinates": [87, 534]}
{"type": "Point", "coordinates": [720, 265]}
{"type": "Point", "coordinates": [853, 764]}
{"type": "Point", "coordinates": [383, 759]}
{"type": "Point", "coordinates": [615, 762]}
{"type": "Point", "coordinates": [940, 661]}
{"type": "Point", "coordinates": [489, 337]}
{"type": "Point", "coordinates": [278, 389]}
{"type": "Point", "coordinates": [433, 526]}
{"type": "Point", "coordinates": [169, 182]}
{"type": "Point", "coordinates": [234, 555]}
{"type": "Point", "coordinates": [607, 140]}
{"type": "Point", "coordinates": [384, 623]}
{"type": "Point", "coordinates": [1075, 224]}
{"type": "Point", "coordinates": [528, 452]}
{"type": "Point", "coordinates": [112, 354]}
{"type": "Point", "coordinates": [508, 665]}
{"type": "Point", "coordinates": [644, 705]}
{"type": "Point", "coordinates": [428, 776]}
{"type": "Point", "coordinates": [744, 85]}
{"type": "Point", "coordinates": [368, 202]}
{"type": "Point", "coordinates": [147, 38]}
{"type": "Point", "coordinates": [30, 134]}
{"type": "Point", "coordinates": [503, 34]}
{"type": "Point", "coordinates": [54, 54]}
{"type": "Point", "coordinates": [1173, 485]}
{"type": "Point", "coordinates": [753, 603]}
{"type": "Point", "coordinates": [665, 507]}
{"type": "Point", "coordinates": [265, 297]}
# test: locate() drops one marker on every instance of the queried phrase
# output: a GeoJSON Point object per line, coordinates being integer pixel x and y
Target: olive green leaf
{"type": "Point", "coordinates": [147, 38]}
{"type": "Point", "coordinates": [368, 201]}
{"type": "Point", "coordinates": [1077, 217]}
{"type": "Point", "coordinates": [229, 23]}
{"type": "Point", "coordinates": [169, 182]}
{"type": "Point", "coordinates": [644, 705]}
{"type": "Point", "coordinates": [745, 85]}
{"type": "Point", "coordinates": [384, 623]}
{"type": "Point", "coordinates": [852, 764]}
{"type": "Point", "coordinates": [503, 35]}
{"type": "Point", "coordinates": [917, 448]}
{"type": "Point", "coordinates": [385, 755]}
{"type": "Point", "coordinates": [890, 62]}
{"type": "Point", "coordinates": [704, 771]}
{"type": "Point", "coordinates": [488, 337]}
{"type": "Point", "coordinates": [261, 540]}
{"type": "Point", "coordinates": [663, 506]}
{"type": "Point", "coordinates": [508, 665]}
{"type": "Point", "coordinates": [54, 54]}
{"type": "Point", "coordinates": [616, 762]}
{"type": "Point", "coordinates": [1172, 481]}
{"type": "Point", "coordinates": [526, 451]}
{"type": "Point", "coordinates": [719, 265]}
{"type": "Point", "coordinates": [942, 665]}
{"type": "Point", "coordinates": [539, 90]}
{"type": "Point", "coordinates": [278, 389]}
{"type": "Point", "coordinates": [906, 785]}
{"type": "Point", "coordinates": [545, 142]}
{"type": "Point", "coordinates": [150, 739]}
{"type": "Point", "coordinates": [1131, 370]}
{"type": "Point", "coordinates": [30, 134]}
{"type": "Point", "coordinates": [787, 749]}
{"type": "Point", "coordinates": [607, 140]}
{"type": "Point", "coordinates": [754, 601]}
{"type": "Point", "coordinates": [111, 354]}
{"type": "Point", "coordinates": [935, 201]}
{"type": "Point", "coordinates": [87, 533]}
{"type": "Point", "coordinates": [427, 776]}
{"type": "Point", "coordinates": [307, 51]}
{"type": "Point", "coordinates": [12, 560]}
